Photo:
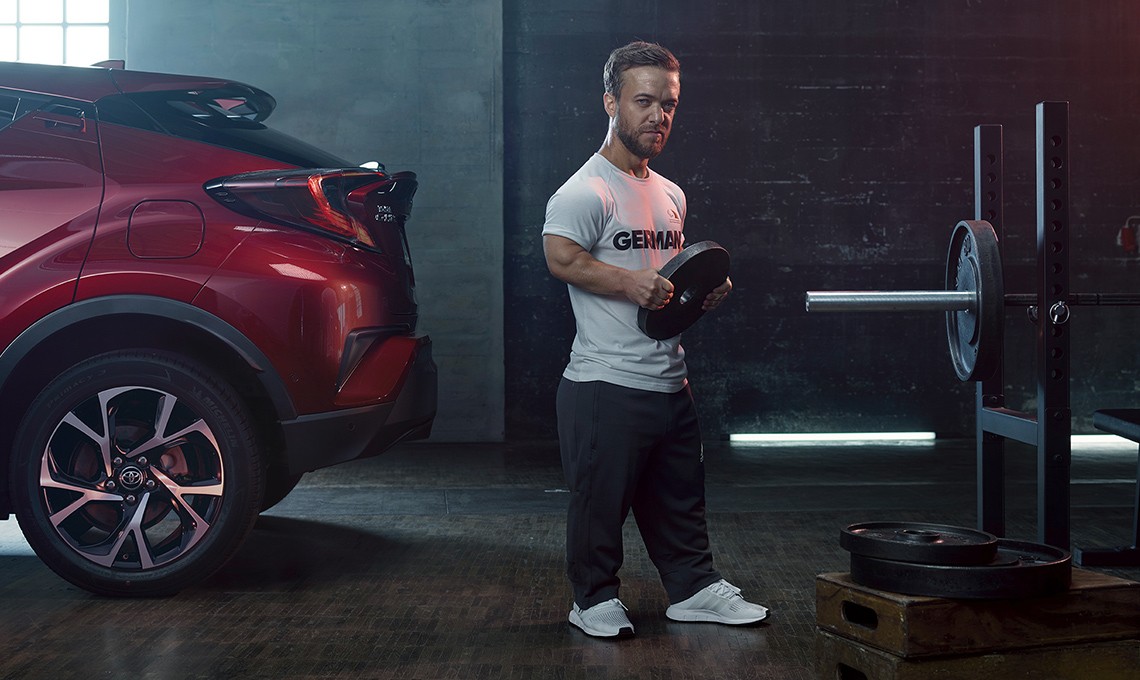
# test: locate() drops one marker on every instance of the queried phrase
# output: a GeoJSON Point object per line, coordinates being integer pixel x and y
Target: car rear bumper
{"type": "Point", "coordinates": [406, 411]}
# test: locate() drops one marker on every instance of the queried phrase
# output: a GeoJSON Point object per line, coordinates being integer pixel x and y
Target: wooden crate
{"type": "Point", "coordinates": [1096, 607]}
{"type": "Point", "coordinates": [840, 658]}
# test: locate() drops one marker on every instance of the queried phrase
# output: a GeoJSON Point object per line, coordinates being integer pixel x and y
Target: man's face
{"type": "Point", "coordinates": [643, 116]}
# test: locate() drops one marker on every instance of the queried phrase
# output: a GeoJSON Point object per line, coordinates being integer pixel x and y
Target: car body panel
{"type": "Point", "coordinates": [142, 167]}
{"type": "Point", "coordinates": [300, 296]}
{"type": "Point", "coordinates": [108, 238]}
{"type": "Point", "coordinates": [51, 181]}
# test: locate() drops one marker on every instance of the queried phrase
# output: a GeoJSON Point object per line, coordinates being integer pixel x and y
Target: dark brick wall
{"type": "Point", "coordinates": [828, 144]}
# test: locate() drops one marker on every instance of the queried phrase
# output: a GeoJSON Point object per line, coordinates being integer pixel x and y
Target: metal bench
{"type": "Point", "coordinates": [1123, 422]}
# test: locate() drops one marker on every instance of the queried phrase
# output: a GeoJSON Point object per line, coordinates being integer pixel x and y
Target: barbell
{"type": "Point", "coordinates": [973, 300]}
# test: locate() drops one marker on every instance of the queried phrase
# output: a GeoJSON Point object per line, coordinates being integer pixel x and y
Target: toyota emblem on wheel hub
{"type": "Point", "coordinates": [131, 477]}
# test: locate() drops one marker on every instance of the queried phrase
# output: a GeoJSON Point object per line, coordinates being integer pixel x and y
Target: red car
{"type": "Point", "coordinates": [195, 310]}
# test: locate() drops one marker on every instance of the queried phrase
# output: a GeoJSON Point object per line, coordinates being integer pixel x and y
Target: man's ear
{"type": "Point", "coordinates": [610, 103]}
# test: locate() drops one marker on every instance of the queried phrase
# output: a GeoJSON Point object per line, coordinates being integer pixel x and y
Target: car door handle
{"type": "Point", "coordinates": [79, 124]}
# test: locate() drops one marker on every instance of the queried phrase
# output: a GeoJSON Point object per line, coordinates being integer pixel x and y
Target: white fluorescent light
{"type": "Point", "coordinates": [809, 437]}
{"type": "Point", "coordinates": [1081, 440]}
{"type": "Point", "coordinates": [1100, 439]}
{"type": "Point", "coordinates": [1103, 442]}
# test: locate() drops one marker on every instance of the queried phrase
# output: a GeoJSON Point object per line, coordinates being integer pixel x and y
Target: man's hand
{"type": "Point", "coordinates": [717, 296]}
{"type": "Point", "coordinates": [649, 289]}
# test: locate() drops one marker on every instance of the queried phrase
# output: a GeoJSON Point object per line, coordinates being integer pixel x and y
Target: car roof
{"type": "Point", "coordinates": [91, 83]}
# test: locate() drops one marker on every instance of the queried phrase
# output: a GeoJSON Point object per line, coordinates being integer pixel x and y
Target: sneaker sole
{"type": "Point", "coordinates": [706, 616]}
{"type": "Point", "coordinates": [577, 622]}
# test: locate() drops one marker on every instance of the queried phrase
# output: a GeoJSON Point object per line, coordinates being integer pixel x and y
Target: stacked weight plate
{"type": "Point", "coordinates": [925, 601]}
{"type": "Point", "coordinates": [938, 560]}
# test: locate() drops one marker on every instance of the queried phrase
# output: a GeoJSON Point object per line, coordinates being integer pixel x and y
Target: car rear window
{"type": "Point", "coordinates": [229, 117]}
{"type": "Point", "coordinates": [14, 105]}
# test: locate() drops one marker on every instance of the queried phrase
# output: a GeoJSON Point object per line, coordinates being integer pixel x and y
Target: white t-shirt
{"type": "Point", "coordinates": [630, 223]}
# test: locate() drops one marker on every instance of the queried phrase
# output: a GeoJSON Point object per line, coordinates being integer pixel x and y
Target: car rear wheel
{"type": "Point", "coordinates": [136, 473]}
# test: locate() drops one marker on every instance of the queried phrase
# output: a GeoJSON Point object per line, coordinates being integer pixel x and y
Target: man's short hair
{"type": "Point", "coordinates": [635, 54]}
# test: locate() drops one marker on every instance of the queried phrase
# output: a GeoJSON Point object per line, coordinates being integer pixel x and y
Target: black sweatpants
{"type": "Point", "coordinates": [626, 449]}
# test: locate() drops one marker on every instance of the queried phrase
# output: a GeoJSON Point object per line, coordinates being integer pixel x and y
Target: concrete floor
{"type": "Point", "coordinates": [445, 561]}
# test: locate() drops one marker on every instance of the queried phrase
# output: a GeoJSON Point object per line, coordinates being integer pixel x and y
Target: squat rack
{"type": "Point", "coordinates": [1050, 429]}
{"type": "Point", "coordinates": [974, 303]}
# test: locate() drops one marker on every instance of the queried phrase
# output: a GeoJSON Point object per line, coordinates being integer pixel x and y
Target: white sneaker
{"type": "Point", "coordinates": [718, 603]}
{"type": "Point", "coordinates": [606, 619]}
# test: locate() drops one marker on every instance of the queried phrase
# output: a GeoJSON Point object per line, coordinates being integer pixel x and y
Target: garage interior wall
{"type": "Point", "coordinates": [414, 85]}
{"type": "Point", "coordinates": [827, 144]}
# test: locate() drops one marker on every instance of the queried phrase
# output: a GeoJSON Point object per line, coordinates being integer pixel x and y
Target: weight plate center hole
{"type": "Point", "coordinates": [918, 535]}
{"type": "Point", "coordinates": [688, 295]}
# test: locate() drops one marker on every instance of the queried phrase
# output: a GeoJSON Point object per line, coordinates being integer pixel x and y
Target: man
{"type": "Point", "coordinates": [627, 426]}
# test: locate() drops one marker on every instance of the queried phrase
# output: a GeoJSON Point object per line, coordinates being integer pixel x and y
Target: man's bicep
{"type": "Point", "coordinates": [561, 253]}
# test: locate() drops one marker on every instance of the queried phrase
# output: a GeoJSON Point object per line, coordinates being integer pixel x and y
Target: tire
{"type": "Point", "coordinates": [115, 514]}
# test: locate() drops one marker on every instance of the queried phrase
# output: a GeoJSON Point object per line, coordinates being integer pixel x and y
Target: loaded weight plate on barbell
{"type": "Point", "coordinates": [694, 273]}
{"type": "Point", "coordinates": [975, 335]}
{"type": "Point", "coordinates": [923, 543]}
{"type": "Point", "coordinates": [1019, 570]}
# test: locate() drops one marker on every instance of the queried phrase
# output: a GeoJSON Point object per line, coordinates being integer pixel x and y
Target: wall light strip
{"type": "Point", "coordinates": [894, 437]}
{"type": "Point", "coordinates": [809, 437]}
{"type": "Point", "coordinates": [1110, 440]}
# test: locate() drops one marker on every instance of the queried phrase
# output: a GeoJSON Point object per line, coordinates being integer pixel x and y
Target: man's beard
{"type": "Point", "coordinates": [630, 140]}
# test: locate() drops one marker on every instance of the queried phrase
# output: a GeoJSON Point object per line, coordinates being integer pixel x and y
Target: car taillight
{"type": "Point", "coordinates": [359, 206]}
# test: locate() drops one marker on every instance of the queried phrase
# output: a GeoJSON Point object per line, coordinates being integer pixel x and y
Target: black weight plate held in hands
{"type": "Point", "coordinates": [924, 543]}
{"type": "Point", "coordinates": [1020, 570]}
{"type": "Point", "coordinates": [973, 265]}
{"type": "Point", "coordinates": [694, 273]}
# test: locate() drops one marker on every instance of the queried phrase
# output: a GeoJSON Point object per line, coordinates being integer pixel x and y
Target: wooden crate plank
{"type": "Point", "coordinates": [1096, 607]}
{"type": "Point", "coordinates": [840, 657]}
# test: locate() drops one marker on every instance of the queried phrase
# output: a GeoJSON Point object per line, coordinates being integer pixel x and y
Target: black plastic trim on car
{"type": "Point", "coordinates": [119, 109]}
{"type": "Point", "coordinates": [357, 344]}
{"type": "Point", "coordinates": [319, 440]}
{"type": "Point", "coordinates": [143, 305]}
{"type": "Point", "coordinates": [159, 112]}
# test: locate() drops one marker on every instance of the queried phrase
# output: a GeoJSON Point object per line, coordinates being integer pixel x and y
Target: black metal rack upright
{"type": "Point", "coordinates": [1050, 428]}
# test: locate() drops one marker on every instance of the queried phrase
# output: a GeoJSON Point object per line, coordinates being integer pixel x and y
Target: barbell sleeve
{"type": "Point", "coordinates": [890, 301]}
